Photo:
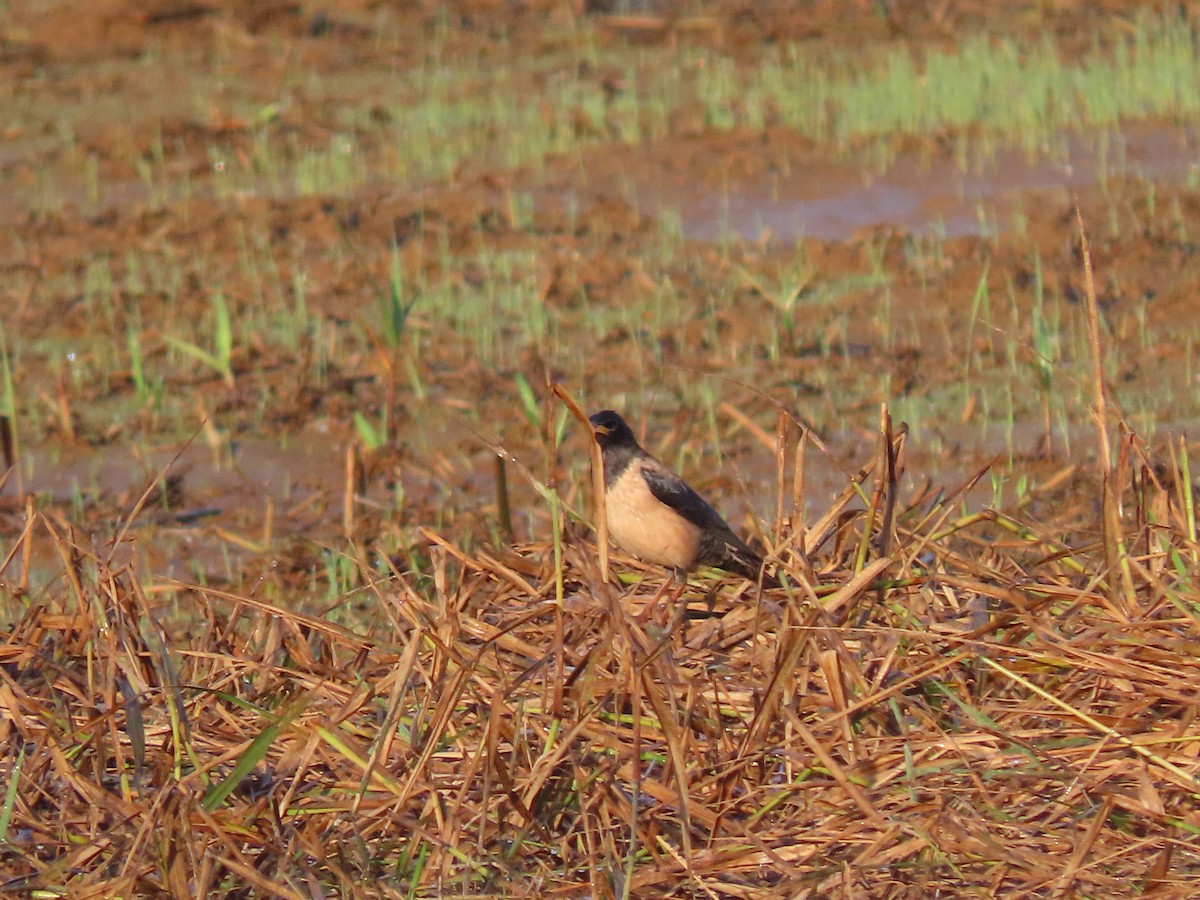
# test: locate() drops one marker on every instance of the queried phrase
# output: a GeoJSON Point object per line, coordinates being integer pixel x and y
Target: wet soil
{"type": "Point", "coordinates": [799, 278]}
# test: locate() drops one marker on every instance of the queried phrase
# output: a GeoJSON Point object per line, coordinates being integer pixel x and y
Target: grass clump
{"type": "Point", "coordinates": [939, 700]}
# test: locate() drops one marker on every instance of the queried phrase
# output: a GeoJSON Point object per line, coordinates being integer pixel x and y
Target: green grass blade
{"type": "Point", "coordinates": [10, 793]}
{"type": "Point", "coordinates": [255, 753]}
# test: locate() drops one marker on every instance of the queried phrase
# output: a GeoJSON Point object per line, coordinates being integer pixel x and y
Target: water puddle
{"type": "Point", "coordinates": [211, 502]}
{"type": "Point", "coordinates": [923, 193]}
{"type": "Point", "coordinates": [217, 507]}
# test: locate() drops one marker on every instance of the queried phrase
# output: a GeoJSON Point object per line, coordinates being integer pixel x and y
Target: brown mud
{"type": "Point", "coordinates": [107, 126]}
{"type": "Point", "coordinates": [266, 627]}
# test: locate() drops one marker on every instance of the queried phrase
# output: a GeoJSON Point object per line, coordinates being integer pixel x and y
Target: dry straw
{"type": "Point", "coordinates": [939, 702]}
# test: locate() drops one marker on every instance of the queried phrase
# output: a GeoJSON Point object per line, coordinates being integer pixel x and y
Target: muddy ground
{"type": "Point", "coordinates": [105, 125]}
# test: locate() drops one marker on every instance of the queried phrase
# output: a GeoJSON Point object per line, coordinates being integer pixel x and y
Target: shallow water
{"type": "Point", "coordinates": [924, 194]}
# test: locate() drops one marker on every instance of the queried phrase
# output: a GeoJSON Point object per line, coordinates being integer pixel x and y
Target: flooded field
{"type": "Point", "coordinates": [296, 229]}
{"type": "Point", "coordinates": [282, 282]}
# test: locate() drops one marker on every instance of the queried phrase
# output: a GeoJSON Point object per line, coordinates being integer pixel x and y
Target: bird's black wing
{"type": "Point", "coordinates": [671, 490]}
{"type": "Point", "coordinates": [719, 546]}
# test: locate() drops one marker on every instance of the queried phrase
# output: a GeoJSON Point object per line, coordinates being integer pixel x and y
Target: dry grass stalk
{"type": "Point", "coordinates": [996, 717]}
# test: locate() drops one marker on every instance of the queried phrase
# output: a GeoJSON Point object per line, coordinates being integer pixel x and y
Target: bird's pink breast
{"type": "Point", "coordinates": [644, 527]}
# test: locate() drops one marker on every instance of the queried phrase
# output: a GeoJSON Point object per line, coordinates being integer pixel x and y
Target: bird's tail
{"type": "Point", "coordinates": [748, 564]}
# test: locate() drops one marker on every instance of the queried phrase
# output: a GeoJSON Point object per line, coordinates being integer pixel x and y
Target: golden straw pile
{"type": "Point", "coordinates": [937, 703]}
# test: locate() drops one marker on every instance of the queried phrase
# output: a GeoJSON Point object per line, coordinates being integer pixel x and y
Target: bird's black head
{"type": "Point", "coordinates": [611, 430]}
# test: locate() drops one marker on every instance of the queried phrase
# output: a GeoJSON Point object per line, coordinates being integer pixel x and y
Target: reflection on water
{"type": "Point", "coordinates": [920, 194]}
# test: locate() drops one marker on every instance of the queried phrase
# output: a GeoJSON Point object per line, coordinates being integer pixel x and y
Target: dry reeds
{"type": "Point", "coordinates": [938, 702]}
{"type": "Point", "coordinates": [998, 724]}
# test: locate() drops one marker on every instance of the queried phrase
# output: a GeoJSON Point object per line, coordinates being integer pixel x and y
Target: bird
{"type": "Point", "coordinates": [655, 516]}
